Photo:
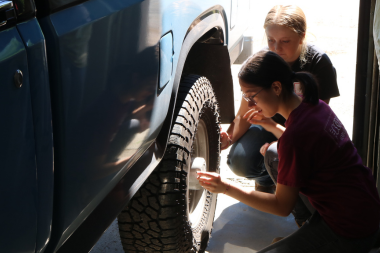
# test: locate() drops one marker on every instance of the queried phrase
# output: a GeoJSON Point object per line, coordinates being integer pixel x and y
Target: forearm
{"type": "Point", "coordinates": [238, 128]}
{"type": "Point", "coordinates": [281, 203]}
{"type": "Point", "coordinates": [262, 201]}
{"type": "Point", "coordinates": [277, 130]}
{"type": "Point", "coordinates": [240, 125]}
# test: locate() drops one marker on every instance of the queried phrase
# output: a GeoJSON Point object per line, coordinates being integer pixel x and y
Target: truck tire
{"type": "Point", "coordinates": [170, 213]}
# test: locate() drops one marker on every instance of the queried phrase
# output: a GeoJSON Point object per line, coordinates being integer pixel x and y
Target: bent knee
{"type": "Point", "coordinates": [271, 154]}
{"type": "Point", "coordinates": [240, 166]}
{"type": "Point", "coordinates": [272, 150]}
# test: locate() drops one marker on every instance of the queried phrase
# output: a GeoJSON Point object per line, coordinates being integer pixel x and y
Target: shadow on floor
{"type": "Point", "coordinates": [242, 229]}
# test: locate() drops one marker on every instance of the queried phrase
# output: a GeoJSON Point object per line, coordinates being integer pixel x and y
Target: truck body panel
{"type": "Point", "coordinates": [91, 82]}
{"type": "Point", "coordinates": [34, 42]}
{"type": "Point", "coordinates": [18, 183]}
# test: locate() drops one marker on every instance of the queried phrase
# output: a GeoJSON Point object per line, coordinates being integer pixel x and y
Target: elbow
{"type": "Point", "coordinates": [284, 212]}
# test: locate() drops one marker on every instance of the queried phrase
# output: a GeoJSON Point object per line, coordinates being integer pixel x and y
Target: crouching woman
{"type": "Point", "coordinates": [316, 159]}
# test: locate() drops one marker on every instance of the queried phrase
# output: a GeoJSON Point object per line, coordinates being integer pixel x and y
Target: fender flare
{"type": "Point", "coordinates": [213, 17]}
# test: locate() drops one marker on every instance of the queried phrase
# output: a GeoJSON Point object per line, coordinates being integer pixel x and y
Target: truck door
{"type": "Point", "coordinates": [103, 66]}
{"type": "Point", "coordinates": [18, 181]}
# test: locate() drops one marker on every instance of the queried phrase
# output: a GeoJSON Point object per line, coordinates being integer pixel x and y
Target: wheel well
{"type": "Point", "coordinates": [209, 57]}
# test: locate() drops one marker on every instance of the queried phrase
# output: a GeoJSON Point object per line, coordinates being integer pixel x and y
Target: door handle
{"type": "Point", "coordinates": [7, 13]}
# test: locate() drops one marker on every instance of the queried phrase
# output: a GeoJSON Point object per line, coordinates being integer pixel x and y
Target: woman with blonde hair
{"type": "Point", "coordinates": [285, 28]}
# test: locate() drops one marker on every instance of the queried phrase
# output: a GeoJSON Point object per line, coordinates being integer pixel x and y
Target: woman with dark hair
{"type": "Point", "coordinates": [316, 159]}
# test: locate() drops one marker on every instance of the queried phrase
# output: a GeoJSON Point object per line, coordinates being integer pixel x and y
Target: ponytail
{"type": "Point", "coordinates": [309, 86]}
{"type": "Point", "coordinates": [266, 67]}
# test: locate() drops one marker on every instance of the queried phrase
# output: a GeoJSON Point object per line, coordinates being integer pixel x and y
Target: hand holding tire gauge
{"type": "Point", "coordinates": [213, 182]}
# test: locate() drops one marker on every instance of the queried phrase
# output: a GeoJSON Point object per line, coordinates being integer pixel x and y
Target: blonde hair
{"type": "Point", "coordinates": [292, 17]}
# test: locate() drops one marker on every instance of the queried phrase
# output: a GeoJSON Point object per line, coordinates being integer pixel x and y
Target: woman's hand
{"type": "Point", "coordinates": [225, 141]}
{"type": "Point", "coordinates": [265, 147]}
{"type": "Point", "coordinates": [254, 117]}
{"type": "Point", "coordinates": [212, 182]}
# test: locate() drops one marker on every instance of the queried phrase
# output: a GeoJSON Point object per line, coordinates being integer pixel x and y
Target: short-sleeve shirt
{"type": "Point", "coordinates": [319, 64]}
{"type": "Point", "coordinates": [316, 154]}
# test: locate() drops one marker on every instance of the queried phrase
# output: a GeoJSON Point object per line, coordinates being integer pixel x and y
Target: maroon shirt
{"type": "Point", "coordinates": [316, 154]}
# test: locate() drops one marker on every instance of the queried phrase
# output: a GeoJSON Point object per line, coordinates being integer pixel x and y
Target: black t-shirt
{"type": "Point", "coordinates": [319, 64]}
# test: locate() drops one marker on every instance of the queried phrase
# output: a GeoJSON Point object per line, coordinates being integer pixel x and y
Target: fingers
{"type": "Point", "coordinates": [253, 115]}
{"type": "Point", "coordinates": [208, 187]}
{"type": "Point", "coordinates": [255, 122]}
{"type": "Point", "coordinates": [264, 149]}
{"type": "Point", "coordinates": [208, 174]}
{"type": "Point", "coordinates": [211, 181]}
{"type": "Point", "coordinates": [208, 180]}
{"type": "Point", "coordinates": [223, 147]}
{"type": "Point", "coordinates": [250, 114]}
{"type": "Point", "coordinates": [223, 141]}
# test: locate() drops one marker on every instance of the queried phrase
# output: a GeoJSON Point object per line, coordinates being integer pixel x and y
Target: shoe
{"type": "Point", "coordinates": [267, 189]}
{"type": "Point", "coordinates": [277, 239]}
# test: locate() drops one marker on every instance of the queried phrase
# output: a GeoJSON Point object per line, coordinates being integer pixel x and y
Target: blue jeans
{"type": "Point", "coordinates": [245, 159]}
{"type": "Point", "coordinates": [315, 236]}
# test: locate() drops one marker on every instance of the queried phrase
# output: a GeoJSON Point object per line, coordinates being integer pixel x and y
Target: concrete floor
{"type": "Point", "coordinates": [237, 227]}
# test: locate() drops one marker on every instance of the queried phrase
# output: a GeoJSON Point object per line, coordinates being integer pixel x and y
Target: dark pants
{"type": "Point", "coordinates": [315, 236]}
{"type": "Point", "coordinates": [245, 159]}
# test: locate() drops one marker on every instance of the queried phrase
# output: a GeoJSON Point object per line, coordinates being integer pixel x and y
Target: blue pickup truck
{"type": "Point", "coordinates": [108, 108]}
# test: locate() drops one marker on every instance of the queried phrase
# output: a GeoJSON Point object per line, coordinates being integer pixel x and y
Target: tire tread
{"type": "Point", "coordinates": [155, 219]}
